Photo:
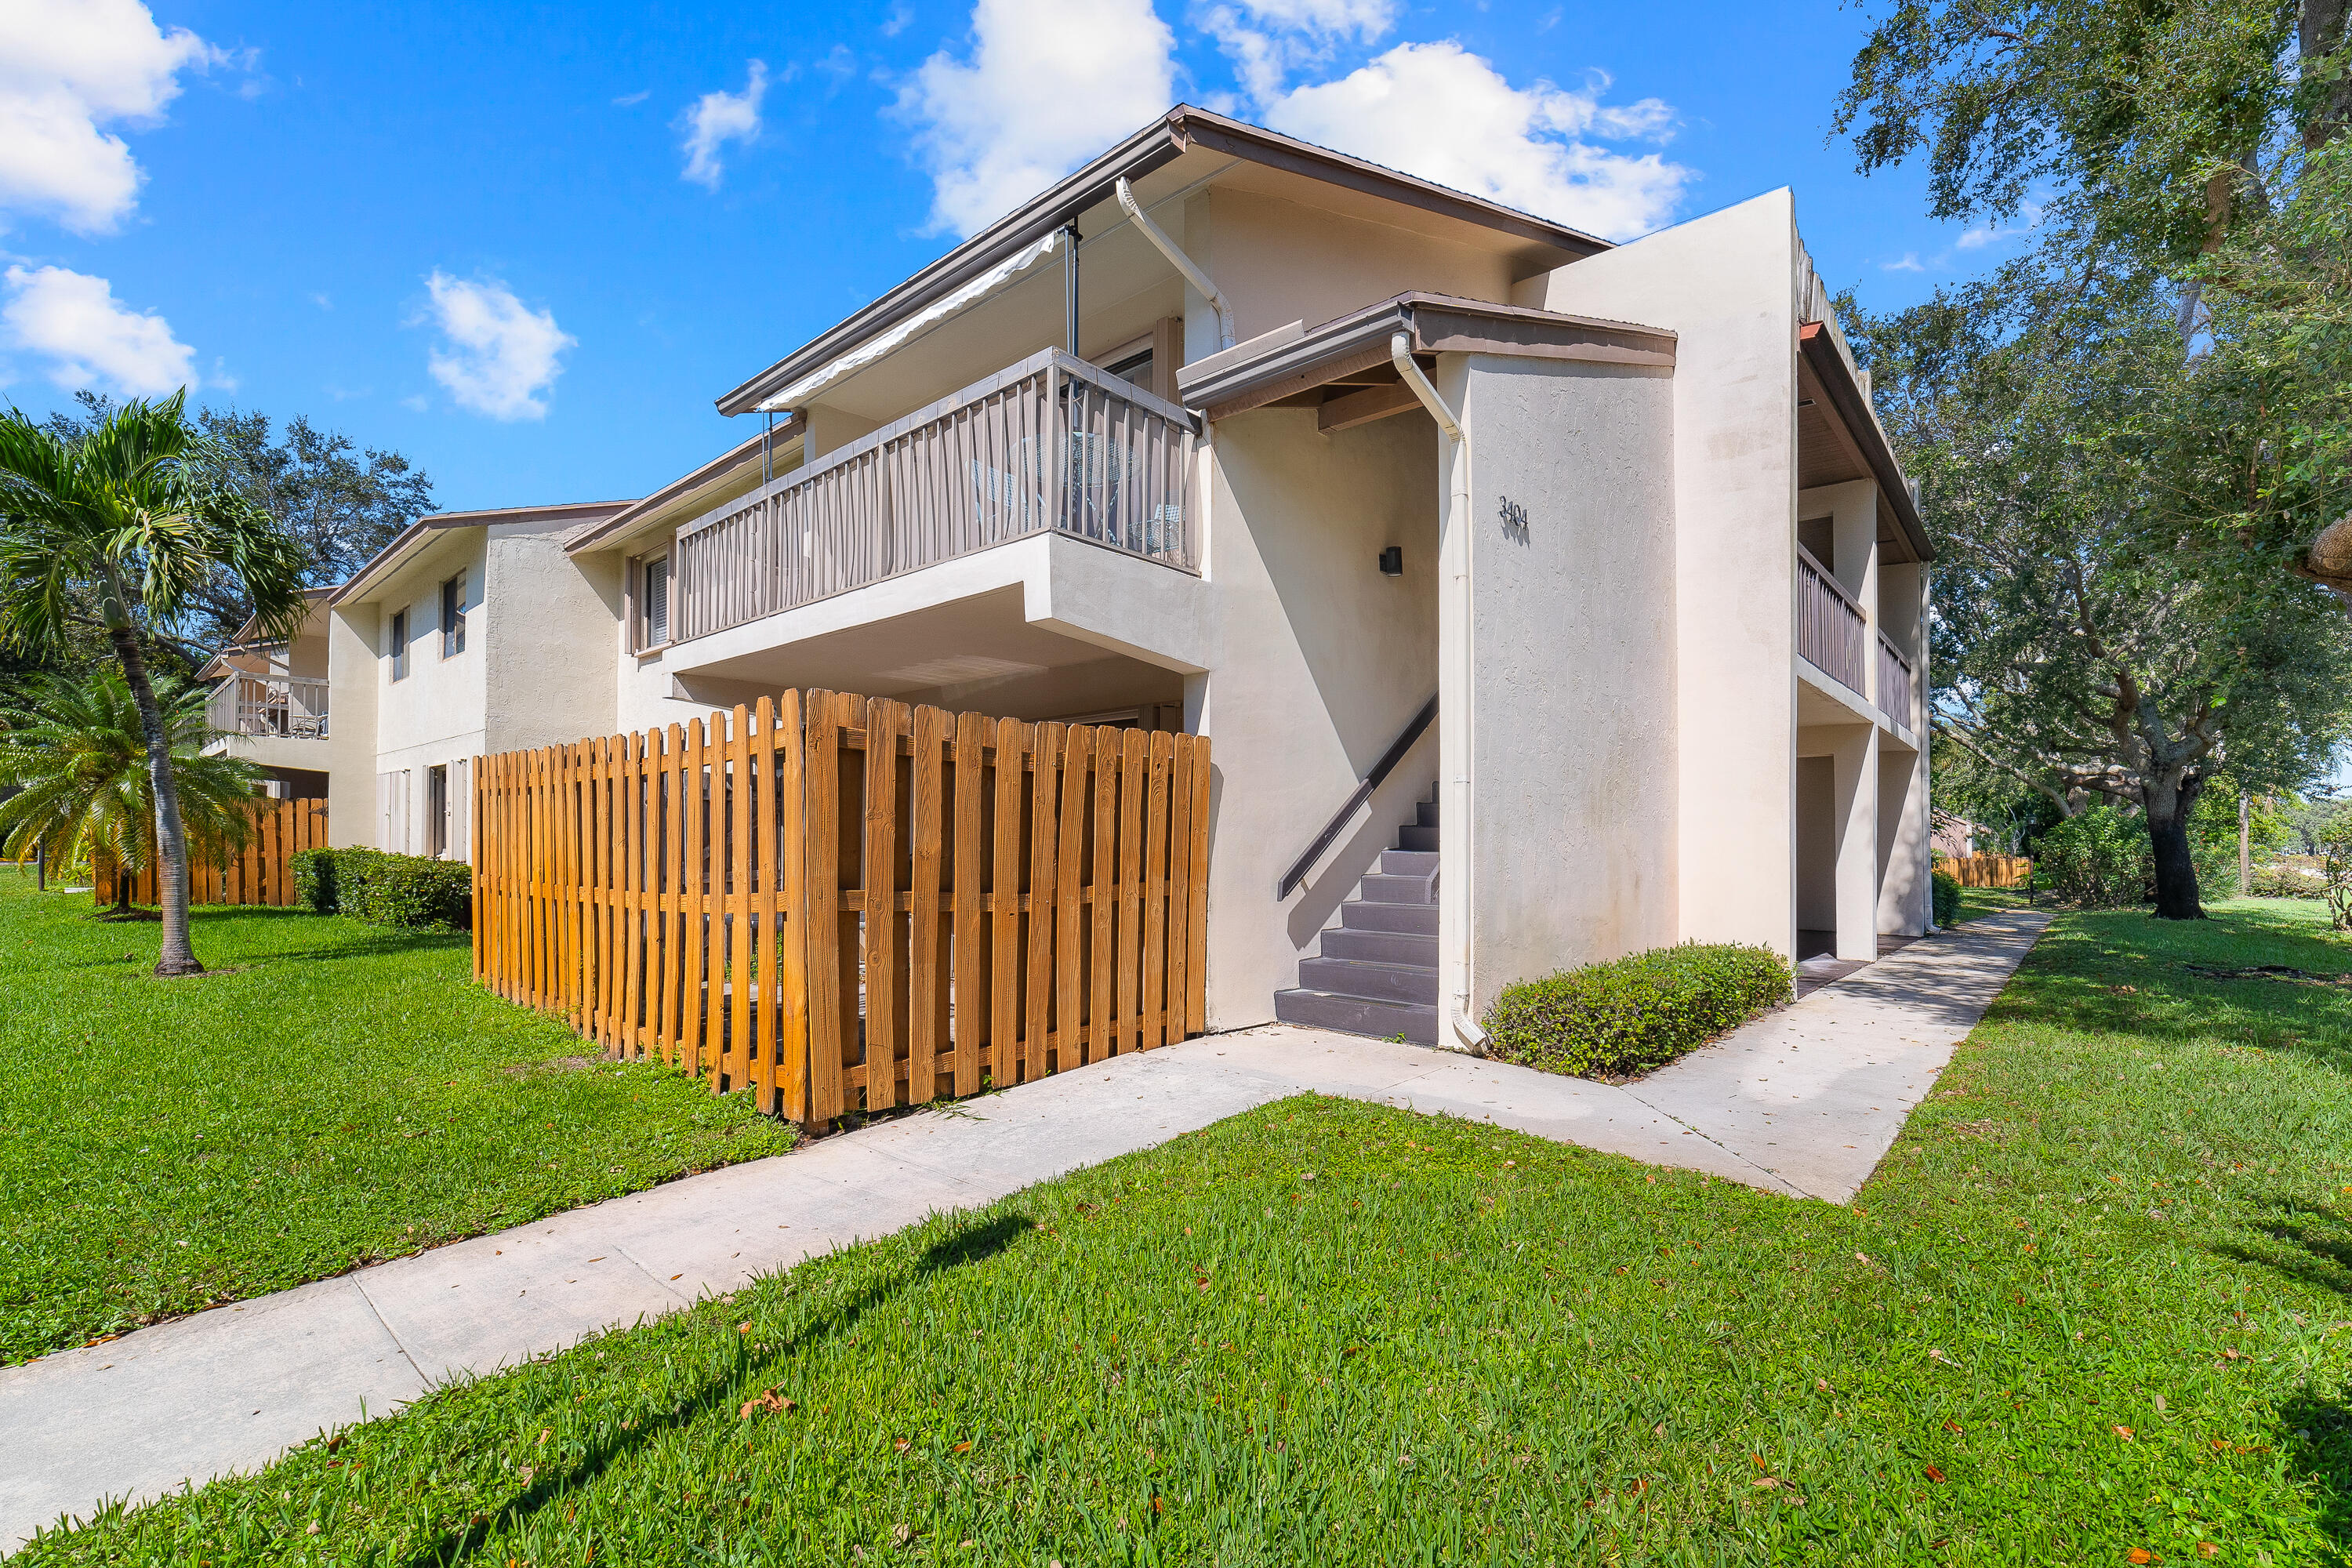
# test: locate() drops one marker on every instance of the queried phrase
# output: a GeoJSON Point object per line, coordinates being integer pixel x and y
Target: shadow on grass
{"type": "Point", "coordinates": [2123, 972]}
{"type": "Point", "coordinates": [969, 1244]}
{"type": "Point", "coordinates": [2314, 1246]}
{"type": "Point", "coordinates": [2315, 1435]}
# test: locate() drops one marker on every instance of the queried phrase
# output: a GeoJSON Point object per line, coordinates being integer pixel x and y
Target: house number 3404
{"type": "Point", "coordinates": [1515, 520]}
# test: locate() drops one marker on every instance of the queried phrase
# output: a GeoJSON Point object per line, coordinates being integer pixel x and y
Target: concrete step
{"type": "Point", "coordinates": [1382, 946]}
{"type": "Point", "coordinates": [1420, 918]}
{"type": "Point", "coordinates": [1425, 812]}
{"type": "Point", "coordinates": [1413, 837]}
{"type": "Point", "coordinates": [1416, 1021]}
{"type": "Point", "coordinates": [1370, 980]}
{"type": "Point", "coordinates": [1380, 888]}
{"type": "Point", "coordinates": [1409, 862]}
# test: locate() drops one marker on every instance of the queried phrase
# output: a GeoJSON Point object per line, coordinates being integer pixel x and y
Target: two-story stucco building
{"type": "Point", "coordinates": [1543, 599]}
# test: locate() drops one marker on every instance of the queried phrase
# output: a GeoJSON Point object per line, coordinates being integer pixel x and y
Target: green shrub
{"type": "Point", "coordinates": [2287, 882]}
{"type": "Point", "coordinates": [1946, 896]}
{"type": "Point", "coordinates": [413, 893]}
{"type": "Point", "coordinates": [2100, 859]}
{"type": "Point", "coordinates": [1634, 1013]}
{"type": "Point", "coordinates": [314, 878]}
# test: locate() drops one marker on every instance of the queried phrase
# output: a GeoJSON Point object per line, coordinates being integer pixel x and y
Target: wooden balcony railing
{"type": "Point", "coordinates": [1050, 445]}
{"type": "Point", "coordinates": [1830, 626]}
{"type": "Point", "coordinates": [291, 706]}
{"type": "Point", "coordinates": [1895, 687]}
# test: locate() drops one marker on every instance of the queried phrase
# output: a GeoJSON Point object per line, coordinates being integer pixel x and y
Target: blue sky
{"type": "Point", "coordinates": [528, 246]}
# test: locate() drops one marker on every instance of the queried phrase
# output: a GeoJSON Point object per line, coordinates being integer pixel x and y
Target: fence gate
{"type": "Point", "coordinates": [843, 903]}
{"type": "Point", "coordinates": [257, 874]}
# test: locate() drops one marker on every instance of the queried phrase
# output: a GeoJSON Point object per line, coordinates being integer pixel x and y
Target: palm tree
{"type": "Point", "coordinates": [76, 753]}
{"type": "Point", "coordinates": [121, 525]}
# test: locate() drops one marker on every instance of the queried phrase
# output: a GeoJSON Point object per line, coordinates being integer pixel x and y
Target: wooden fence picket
{"type": "Point", "coordinates": [840, 904]}
{"type": "Point", "coordinates": [257, 874]}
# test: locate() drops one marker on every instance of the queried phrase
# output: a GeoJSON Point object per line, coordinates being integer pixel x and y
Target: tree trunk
{"type": "Point", "coordinates": [2176, 869]}
{"type": "Point", "coordinates": [177, 955]}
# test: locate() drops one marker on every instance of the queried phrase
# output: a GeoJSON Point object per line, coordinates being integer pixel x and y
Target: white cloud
{"type": "Point", "coordinates": [1267, 40]}
{"type": "Point", "coordinates": [1910, 263]}
{"type": "Point", "coordinates": [501, 358]}
{"type": "Point", "coordinates": [88, 337]}
{"type": "Point", "coordinates": [69, 67]}
{"type": "Point", "coordinates": [1993, 233]}
{"type": "Point", "coordinates": [1049, 84]}
{"type": "Point", "coordinates": [718, 118]}
{"type": "Point", "coordinates": [631, 99]}
{"type": "Point", "coordinates": [1441, 112]}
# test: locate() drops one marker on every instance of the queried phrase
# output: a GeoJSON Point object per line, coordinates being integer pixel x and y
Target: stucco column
{"type": "Point", "coordinates": [1904, 904]}
{"type": "Point", "coordinates": [1854, 797]}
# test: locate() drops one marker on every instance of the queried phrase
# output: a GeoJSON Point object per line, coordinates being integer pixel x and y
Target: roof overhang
{"type": "Point", "coordinates": [413, 539]}
{"type": "Point", "coordinates": [1293, 360]}
{"type": "Point", "coordinates": [1830, 367]}
{"type": "Point", "coordinates": [616, 529]}
{"type": "Point", "coordinates": [1157, 146]}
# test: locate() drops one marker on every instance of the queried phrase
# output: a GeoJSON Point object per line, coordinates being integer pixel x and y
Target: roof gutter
{"type": "Point", "coordinates": [1165, 140]}
{"type": "Point", "coordinates": [1179, 260]}
{"type": "Point", "coordinates": [1153, 147]}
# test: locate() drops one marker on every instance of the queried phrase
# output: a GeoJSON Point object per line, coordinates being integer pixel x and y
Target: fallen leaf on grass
{"type": "Point", "coordinates": [2125, 1433]}
{"type": "Point", "coordinates": [962, 1448]}
{"type": "Point", "coordinates": [2140, 1554]}
{"type": "Point", "coordinates": [769, 1402]}
{"type": "Point", "coordinates": [1935, 1475]}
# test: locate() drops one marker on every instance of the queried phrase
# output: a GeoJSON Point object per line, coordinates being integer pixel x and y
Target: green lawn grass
{"type": "Point", "coordinates": [2094, 1303]}
{"type": "Point", "coordinates": [332, 1094]}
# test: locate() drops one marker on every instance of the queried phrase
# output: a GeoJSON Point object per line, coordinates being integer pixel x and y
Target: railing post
{"type": "Point", "coordinates": [1059, 448]}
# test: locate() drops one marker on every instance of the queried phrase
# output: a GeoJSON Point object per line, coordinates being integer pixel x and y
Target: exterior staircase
{"type": "Point", "coordinates": [1376, 970]}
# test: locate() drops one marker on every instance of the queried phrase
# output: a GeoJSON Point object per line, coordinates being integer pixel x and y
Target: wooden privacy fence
{"type": "Point", "coordinates": [1989, 870]}
{"type": "Point", "coordinates": [843, 903]}
{"type": "Point", "coordinates": [256, 875]}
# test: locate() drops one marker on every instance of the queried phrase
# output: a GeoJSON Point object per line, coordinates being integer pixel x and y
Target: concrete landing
{"type": "Point", "coordinates": [1802, 1103]}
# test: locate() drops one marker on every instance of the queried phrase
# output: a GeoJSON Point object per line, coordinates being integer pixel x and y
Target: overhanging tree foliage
{"type": "Point", "coordinates": [338, 502]}
{"type": "Point", "coordinates": [2093, 637]}
{"type": "Point", "coordinates": [2199, 144]}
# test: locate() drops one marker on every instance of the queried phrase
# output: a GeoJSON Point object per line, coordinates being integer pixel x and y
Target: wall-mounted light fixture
{"type": "Point", "coordinates": [1392, 560]}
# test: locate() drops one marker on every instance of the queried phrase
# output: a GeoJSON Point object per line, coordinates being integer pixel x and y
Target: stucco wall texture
{"type": "Point", "coordinates": [1571, 665]}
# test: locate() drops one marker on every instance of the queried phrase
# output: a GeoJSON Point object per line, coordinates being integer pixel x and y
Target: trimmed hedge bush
{"type": "Point", "coordinates": [314, 878]}
{"type": "Point", "coordinates": [413, 893]}
{"type": "Point", "coordinates": [1945, 897]}
{"type": "Point", "coordinates": [1616, 1019]}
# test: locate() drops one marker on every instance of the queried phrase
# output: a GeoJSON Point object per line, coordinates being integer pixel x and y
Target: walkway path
{"type": "Point", "coordinates": [1803, 1103]}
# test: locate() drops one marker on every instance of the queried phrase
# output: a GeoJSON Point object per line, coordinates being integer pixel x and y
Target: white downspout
{"type": "Point", "coordinates": [1181, 262]}
{"type": "Point", "coordinates": [1453, 689]}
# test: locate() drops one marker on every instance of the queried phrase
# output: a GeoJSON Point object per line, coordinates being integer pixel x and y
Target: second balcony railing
{"type": "Point", "coordinates": [1050, 445]}
{"type": "Point", "coordinates": [291, 706]}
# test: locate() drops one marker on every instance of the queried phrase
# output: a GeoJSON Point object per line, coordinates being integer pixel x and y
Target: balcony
{"type": "Point", "coordinates": [1051, 445]}
{"type": "Point", "coordinates": [278, 707]}
{"type": "Point", "coordinates": [1831, 630]}
{"type": "Point", "coordinates": [1895, 687]}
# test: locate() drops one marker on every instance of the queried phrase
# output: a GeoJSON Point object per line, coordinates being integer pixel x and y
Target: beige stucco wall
{"type": "Point", "coordinates": [1725, 284]}
{"type": "Point", "coordinates": [1277, 261]}
{"type": "Point", "coordinates": [353, 637]}
{"type": "Point", "coordinates": [546, 618]}
{"type": "Point", "coordinates": [1321, 663]}
{"type": "Point", "coordinates": [1570, 664]}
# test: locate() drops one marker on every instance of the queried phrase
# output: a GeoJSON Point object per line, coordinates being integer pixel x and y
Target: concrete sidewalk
{"type": "Point", "coordinates": [1803, 1103]}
